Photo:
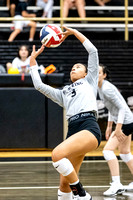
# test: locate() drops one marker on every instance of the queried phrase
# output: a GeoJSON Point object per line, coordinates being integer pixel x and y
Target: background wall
{"type": "Point", "coordinates": [28, 119]}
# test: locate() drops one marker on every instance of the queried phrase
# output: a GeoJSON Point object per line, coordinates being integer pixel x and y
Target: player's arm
{"type": "Point", "coordinates": [71, 31]}
{"type": "Point", "coordinates": [109, 126]}
{"type": "Point", "coordinates": [26, 14]}
{"type": "Point", "coordinates": [50, 92]}
{"type": "Point", "coordinates": [8, 3]}
{"type": "Point", "coordinates": [93, 60]}
{"type": "Point", "coordinates": [113, 98]}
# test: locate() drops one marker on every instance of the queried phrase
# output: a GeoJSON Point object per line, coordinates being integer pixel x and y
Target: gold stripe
{"type": "Point", "coordinates": [47, 152]}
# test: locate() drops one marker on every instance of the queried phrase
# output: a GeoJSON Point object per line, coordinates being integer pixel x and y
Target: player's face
{"type": "Point", "coordinates": [102, 76]}
{"type": "Point", "coordinates": [23, 52]}
{"type": "Point", "coordinates": [78, 71]}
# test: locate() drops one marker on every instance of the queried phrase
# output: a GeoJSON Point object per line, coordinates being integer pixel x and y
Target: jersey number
{"type": "Point", "coordinates": [73, 93]}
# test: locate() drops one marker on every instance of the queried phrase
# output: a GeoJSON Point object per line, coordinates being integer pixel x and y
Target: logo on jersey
{"type": "Point", "coordinates": [70, 90]}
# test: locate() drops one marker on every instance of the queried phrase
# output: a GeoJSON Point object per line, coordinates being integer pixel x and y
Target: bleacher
{"type": "Point", "coordinates": [117, 55]}
{"type": "Point", "coordinates": [112, 9]}
{"type": "Point", "coordinates": [109, 39]}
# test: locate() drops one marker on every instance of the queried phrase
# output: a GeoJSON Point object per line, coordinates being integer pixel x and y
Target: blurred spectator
{"type": "Point", "coordinates": [47, 6]}
{"type": "Point", "coordinates": [70, 4]}
{"type": "Point", "coordinates": [2, 69]}
{"type": "Point", "coordinates": [20, 12]}
{"type": "Point", "coordinates": [102, 2]}
{"type": "Point", "coordinates": [11, 4]}
{"type": "Point", "coordinates": [21, 62]}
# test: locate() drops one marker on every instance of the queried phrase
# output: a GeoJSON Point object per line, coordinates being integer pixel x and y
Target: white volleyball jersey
{"type": "Point", "coordinates": [119, 112]}
{"type": "Point", "coordinates": [78, 97]}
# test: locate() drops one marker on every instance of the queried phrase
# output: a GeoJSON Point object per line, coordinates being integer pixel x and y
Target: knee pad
{"type": "Point", "coordinates": [64, 196]}
{"type": "Point", "coordinates": [109, 155]}
{"type": "Point", "coordinates": [126, 157]}
{"type": "Point", "coordinates": [63, 166]}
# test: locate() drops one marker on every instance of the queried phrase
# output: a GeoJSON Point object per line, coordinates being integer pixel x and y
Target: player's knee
{"type": "Point", "coordinates": [17, 31]}
{"type": "Point", "coordinates": [63, 166]}
{"type": "Point", "coordinates": [33, 24]}
{"type": "Point", "coordinates": [109, 155]}
{"type": "Point", "coordinates": [12, 6]}
{"type": "Point", "coordinates": [126, 157]}
{"type": "Point", "coordinates": [55, 155]}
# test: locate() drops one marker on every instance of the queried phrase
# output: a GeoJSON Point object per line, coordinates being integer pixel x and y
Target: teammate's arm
{"type": "Point", "coordinates": [114, 99]}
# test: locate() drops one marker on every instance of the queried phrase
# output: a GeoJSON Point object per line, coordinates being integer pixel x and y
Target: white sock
{"type": "Point", "coordinates": [116, 179]}
{"type": "Point", "coordinates": [30, 39]}
{"type": "Point", "coordinates": [64, 196]}
{"type": "Point", "coordinates": [75, 183]}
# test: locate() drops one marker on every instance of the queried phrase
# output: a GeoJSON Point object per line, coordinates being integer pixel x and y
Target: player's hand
{"type": "Point", "coordinates": [34, 54]}
{"type": "Point", "coordinates": [69, 31]}
{"type": "Point", "coordinates": [108, 132]}
{"type": "Point", "coordinates": [120, 135]}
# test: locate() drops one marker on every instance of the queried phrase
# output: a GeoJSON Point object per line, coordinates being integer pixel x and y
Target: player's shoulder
{"type": "Point", "coordinates": [107, 86]}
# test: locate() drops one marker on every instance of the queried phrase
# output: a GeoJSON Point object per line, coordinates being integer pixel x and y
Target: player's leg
{"type": "Point", "coordinates": [76, 145]}
{"type": "Point", "coordinates": [18, 28]}
{"type": "Point", "coordinates": [110, 157]}
{"type": "Point", "coordinates": [32, 30]}
{"type": "Point", "coordinates": [126, 156]}
{"type": "Point", "coordinates": [125, 153]}
{"type": "Point", "coordinates": [80, 5]}
{"type": "Point", "coordinates": [49, 9]}
{"type": "Point", "coordinates": [42, 4]}
{"type": "Point", "coordinates": [12, 9]}
{"type": "Point", "coordinates": [65, 192]}
{"type": "Point", "coordinates": [66, 6]}
{"type": "Point", "coordinates": [13, 35]}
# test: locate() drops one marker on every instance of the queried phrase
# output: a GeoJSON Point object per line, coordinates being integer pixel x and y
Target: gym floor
{"type": "Point", "coordinates": [30, 179]}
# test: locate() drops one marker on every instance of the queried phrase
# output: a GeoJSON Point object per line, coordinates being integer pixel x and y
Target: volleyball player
{"type": "Point", "coordinates": [121, 115]}
{"type": "Point", "coordinates": [79, 100]}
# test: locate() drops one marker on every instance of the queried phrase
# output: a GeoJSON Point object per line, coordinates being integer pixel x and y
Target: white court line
{"type": "Point", "coordinates": [50, 187]}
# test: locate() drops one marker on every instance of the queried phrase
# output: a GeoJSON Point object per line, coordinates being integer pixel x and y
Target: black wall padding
{"type": "Point", "coordinates": [55, 124]}
{"type": "Point", "coordinates": [29, 120]}
{"type": "Point", "coordinates": [22, 118]}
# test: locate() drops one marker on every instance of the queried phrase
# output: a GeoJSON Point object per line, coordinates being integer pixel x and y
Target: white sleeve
{"type": "Point", "coordinates": [113, 98]}
{"type": "Point", "coordinates": [50, 92]}
{"type": "Point", "coordinates": [93, 62]}
{"type": "Point", "coordinates": [110, 118]}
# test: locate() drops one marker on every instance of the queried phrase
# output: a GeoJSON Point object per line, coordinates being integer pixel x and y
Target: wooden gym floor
{"type": "Point", "coordinates": [38, 180]}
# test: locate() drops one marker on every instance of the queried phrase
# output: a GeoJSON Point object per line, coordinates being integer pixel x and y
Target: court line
{"type": "Point", "coordinates": [43, 187]}
{"type": "Point", "coordinates": [48, 162]}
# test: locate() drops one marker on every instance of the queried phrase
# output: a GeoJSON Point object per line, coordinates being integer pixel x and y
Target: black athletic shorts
{"type": "Point", "coordinates": [84, 121]}
{"type": "Point", "coordinates": [127, 129]}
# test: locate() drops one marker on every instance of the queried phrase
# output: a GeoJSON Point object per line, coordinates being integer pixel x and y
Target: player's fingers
{"type": "Point", "coordinates": [63, 38]}
{"type": "Point", "coordinates": [40, 50]}
{"type": "Point", "coordinates": [34, 48]}
{"type": "Point", "coordinates": [65, 27]}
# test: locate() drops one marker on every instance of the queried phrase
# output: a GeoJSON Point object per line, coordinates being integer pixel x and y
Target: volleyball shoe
{"type": "Point", "coordinates": [115, 188]}
{"type": "Point", "coordinates": [87, 197]}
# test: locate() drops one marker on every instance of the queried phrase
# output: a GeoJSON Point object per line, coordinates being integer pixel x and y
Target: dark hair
{"type": "Point", "coordinates": [27, 48]}
{"type": "Point", "coordinates": [86, 68]}
{"type": "Point", "coordinates": [105, 70]}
